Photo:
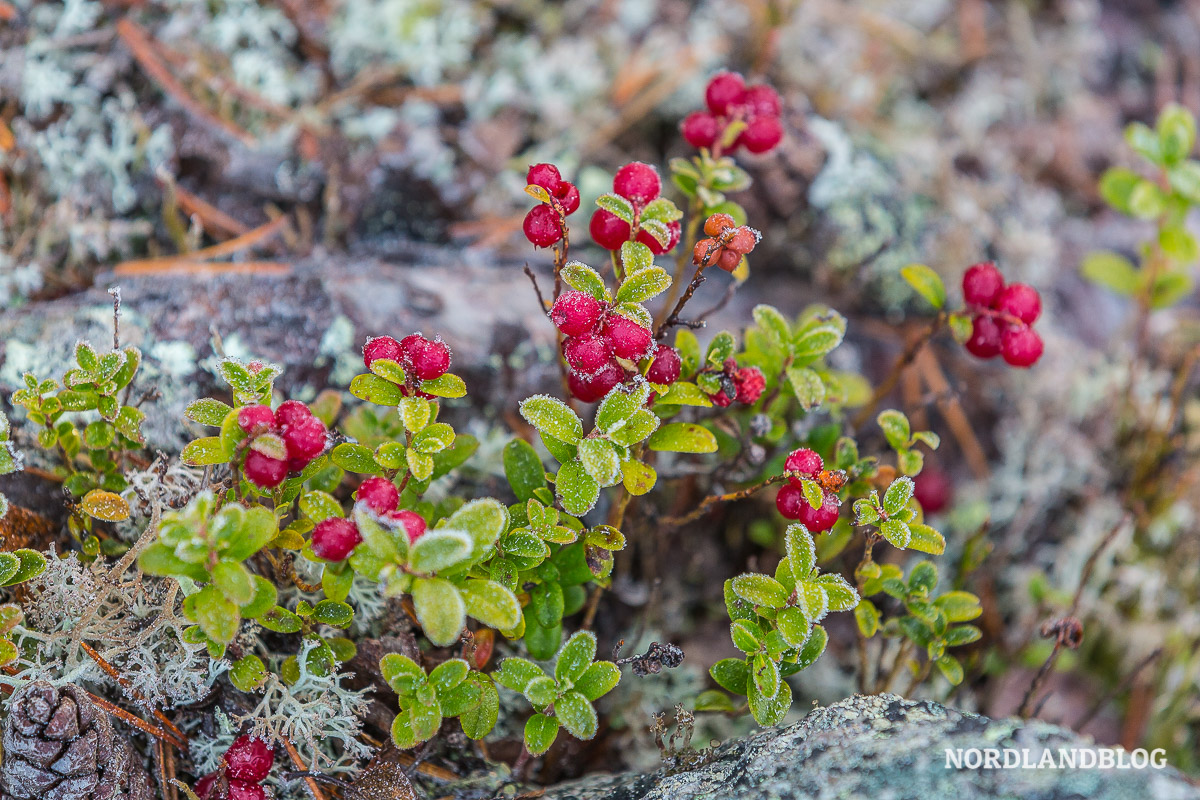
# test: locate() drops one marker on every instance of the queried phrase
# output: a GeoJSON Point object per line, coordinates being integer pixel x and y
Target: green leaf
{"type": "Point", "coordinates": [951, 669]}
{"type": "Point", "coordinates": [1147, 201]}
{"type": "Point", "coordinates": [258, 527]}
{"type": "Point", "coordinates": [373, 389]}
{"type": "Point", "coordinates": [898, 495]}
{"type": "Point", "coordinates": [517, 673]}
{"type": "Point", "coordinates": [925, 539]}
{"type": "Point", "coordinates": [248, 673]}
{"type": "Point", "coordinates": [658, 229]}
{"type": "Point", "coordinates": [540, 733]}
{"type": "Point", "coordinates": [434, 438]}
{"type": "Point", "coordinates": [662, 210]}
{"type": "Point", "coordinates": [745, 636]}
{"type": "Point", "coordinates": [769, 710]}
{"type": "Point", "coordinates": [320, 506]}
{"type": "Point", "coordinates": [600, 461]}
{"type": "Point", "coordinates": [760, 590]}
{"type": "Point", "coordinates": [449, 674]}
{"type": "Point", "coordinates": [807, 386]}
{"type": "Point", "coordinates": [731, 674]}
{"type": "Point", "coordinates": [636, 429]}
{"type": "Point", "coordinates": [1177, 243]}
{"type": "Point", "coordinates": [1169, 288]}
{"type": "Point", "coordinates": [813, 493]}
{"type": "Point", "coordinates": [1184, 179]}
{"type": "Point", "coordinates": [576, 489]}
{"type": "Point", "coordinates": [617, 408]}
{"type": "Point", "coordinates": [793, 626]}
{"type": "Point", "coordinates": [449, 385]}
{"type": "Point", "coordinates": [683, 437]}
{"type": "Point", "coordinates": [207, 411]}
{"type": "Point", "coordinates": [683, 393]}
{"type": "Point", "coordinates": [438, 549]}
{"type": "Point", "coordinates": [774, 325]}
{"type": "Point", "coordinates": [635, 257]}
{"type": "Point", "coordinates": [801, 551]}
{"type": "Point", "coordinates": [264, 599]}
{"type": "Point", "coordinates": [440, 610]}
{"type": "Point", "coordinates": [598, 680]}
{"type": "Point", "coordinates": [1176, 128]}
{"type": "Point", "coordinates": [401, 672]}
{"type": "Point", "coordinates": [575, 656]}
{"type": "Point", "coordinates": [1116, 184]}
{"type": "Point", "coordinates": [959, 606]}
{"type": "Point", "coordinates": [280, 620]}
{"type": "Point", "coordinates": [962, 634]}
{"type": "Point", "coordinates": [484, 519]}
{"type": "Point", "coordinates": [720, 348]}
{"type": "Point", "coordinates": [334, 613]}
{"type": "Point", "coordinates": [491, 604]}
{"type": "Point", "coordinates": [619, 206]}
{"type": "Point", "coordinates": [867, 617]}
{"type": "Point", "coordinates": [926, 282]}
{"type": "Point", "coordinates": [216, 616]}
{"type": "Point", "coordinates": [523, 469]}
{"type": "Point", "coordinates": [204, 452]}
{"type": "Point", "coordinates": [895, 428]}
{"type": "Point", "coordinates": [816, 342]}
{"type": "Point", "coordinates": [812, 649]}
{"type": "Point", "coordinates": [541, 692]}
{"type": "Point", "coordinates": [766, 675]}
{"type": "Point", "coordinates": [576, 714]}
{"type": "Point", "coordinates": [9, 564]}
{"type": "Point", "coordinates": [712, 700]}
{"type": "Point", "coordinates": [583, 278]}
{"type": "Point", "coordinates": [638, 287]}
{"type": "Point", "coordinates": [356, 458]}
{"type": "Point", "coordinates": [896, 532]}
{"type": "Point", "coordinates": [638, 478]}
{"type": "Point", "coordinates": [415, 413]}
{"type": "Point", "coordinates": [479, 722]}
{"type": "Point", "coordinates": [234, 581]}
{"type": "Point", "coordinates": [552, 416]}
{"type": "Point", "coordinates": [1142, 139]}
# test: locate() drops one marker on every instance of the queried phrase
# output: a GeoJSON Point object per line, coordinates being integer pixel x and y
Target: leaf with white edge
{"type": "Point", "coordinates": [581, 277]}
{"type": "Point", "coordinates": [434, 438]}
{"type": "Point", "coordinates": [419, 464]}
{"type": "Point", "coordinates": [720, 348]}
{"type": "Point", "coordinates": [801, 551]}
{"type": "Point", "coordinates": [616, 205]}
{"type": "Point", "coordinates": [896, 532]}
{"type": "Point", "coordinates": [638, 478]}
{"type": "Point", "coordinates": [598, 680]}
{"type": "Point", "coordinates": [484, 519]}
{"type": "Point", "coordinates": [356, 458]}
{"type": "Point", "coordinates": [929, 438]}
{"type": "Point", "coordinates": [320, 506]}
{"type": "Point", "coordinates": [812, 600]}
{"type": "Point", "coordinates": [599, 459]}
{"type": "Point", "coordinates": [540, 733]}
{"type": "Point", "coordinates": [374, 389]}
{"type": "Point", "coordinates": [897, 495]}
{"type": "Point", "coordinates": [662, 209]}
{"type": "Point", "coordinates": [813, 493]}
{"type": "Point", "coordinates": [635, 312]}
{"type": "Point", "coordinates": [491, 604]}
{"type": "Point", "coordinates": [440, 610]}
{"type": "Point", "coordinates": [207, 411]}
{"type": "Point", "coordinates": [766, 675]}
{"type": "Point", "coordinates": [812, 648]}
{"type": "Point", "coordinates": [541, 692]}
{"type": "Point", "coordinates": [438, 549]}
{"type": "Point", "coordinates": [635, 257]}
{"type": "Point", "coordinates": [204, 452]}
{"type": "Point", "coordinates": [389, 370]}
{"type": "Point", "coordinates": [807, 386]}
{"type": "Point", "coordinates": [516, 673]}
{"type": "Point", "coordinates": [926, 282]}
{"type": "Point", "coordinates": [761, 590]}
{"type": "Point", "coordinates": [414, 413]}
{"type": "Point", "coordinates": [448, 386]}
{"type": "Point", "coordinates": [643, 423]}
{"type": "Point", "coordinates": [731, 674]}
{"type": "Point", "coordinates": [479, 721]}
{"type": "Point", "coordinates": [815, 343]}
{"type": "Point", "coordinates": [576, 715]}
{"type": "Point", "coordinates": [552, 416]}
{"type": "Point", "coordinates": [745, 636]}
{"type": "Point", "coordinates": [842, 596]}
{"type": "Point", "coordinates": [641, 286]}
{"type": "Point", "coordinates": [659, 230]}
{"type": "Point", "coordinates": [333, 613]}
{"type": "Point", "coordinates": [683, 437]}
{"type": "Point", "coordinates": [575, 656]}
{"type": "Point", "coordinates": [577, 490]}
{"type": "Point", "coordinates": [895, 428]}
{"type": "Point", "coordinates": [926, 539]}
{"type": "Point", "coordinates": [618, 406]}
{"type": "Point", "coordinates": [769, 710]}
{"type": "Point", "coordinates": [774, 325]}
{"type": "Point", "coordinates": [234, 581]}
{"type": "Point", "coordinates": [793, 626]}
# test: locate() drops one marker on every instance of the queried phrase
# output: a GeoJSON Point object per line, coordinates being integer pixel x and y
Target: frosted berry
{"type": "Point", "coordinates": [701, 251]}
{"type": "Point", "coordinates": [250, 417]}
{"type": "Point", "coordinates": [542, 226]}
{"type": "Point", "coordinates": [985, 338]}
{"type": "Point", "coordinates": [820, 519]}
{"type": "Point", "coordinates": [414, 524]}
{"type": "Point", "coordinates": [981, 284]}
{"type": "Point", "coordinates": [382, 347]}
{"type": "Point", "coordinates": [629, 340]}
{"type": "Point", "coordinates": [249, 759]}
{"type": "Point", "coordinates": [724, 92]}
{"type": "Point", "coordinates": [750, 384]}
{"type": "Point", "coordinates": [205, 788]}
{"type": "Point", "coordinates": [1021, 347]}
{"type": "Point", "coordinates": [729, 260]}
{"type": "Point", "coordinates": [761, 134]}
{"type": "Point", "coordinates": [588, 352]}
{"type": "Point", "coordinates": [1020, 300]}
{"type": "Point", "coordinates": [334, 539]}
{"type": "Point", "coordinates": [700, 129]}
{"type": "Point", "coordinates": [290, 412]}
{"type": "Point", "coordinates": [637, 182]}
{"type": "Point", "coordinates": [576, 312]}
{"type": "Point", "coordinates": [655, 246]}
{"type": "Point", "coordinates": [666, 365]}
{"type": "Point", "coordinates": [933, 489]}
{"type": "Point", "coordinates": [245, 790]}
{"type": "Point", "coordinates": [720, 399]}
{"type": "Point", "coordinates": [591, 389]}
{"type": "Point", "coordinates": [608, 230]}
{"type": "Point", "coordinates": [379, 494]}
{"type": "Point", "coordinates": [568, 197]}
{"type": "Point", "coordinates": [305, 439]}
{"type": "Point", "coordinates": [762, 101]}
{"type": "Point", "coordinates": [743, 240]}
{"type": "Point", "coordinates": [789, 500]}
{"type": "Point", "coordinates": [545, 176]}
{"type": "Point", "coordinates": [428, 359]}
{"type": "Point", "coordinates": [804, 461]}
{"type": "Point", "coordinates": [263, 471]}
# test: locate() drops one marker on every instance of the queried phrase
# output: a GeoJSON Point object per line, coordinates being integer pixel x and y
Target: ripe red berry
{"type": "Point", "coordinates": [658, 249]}
{"type": "Point", "coordinates": [725, 91]}
{"type": "Point", "coordinates": [263, 471]}
{"type": "Point", "coordinates": [717, 224]}
{"type": "Point", "coordinates": [569, 197]}
{"type": "Point", "coordinates": [249, 759]}
{"type": "Point", "coordinates": [545, 176]}
{"type": "Point", "coordinates": [1021, 346]}
{"type": "Point", "coordinates": [743, 240]}
{"type": "Point", "coordinates": [933, 489]}
{"type": "Point", "coordinates": [820, 519]}
{"type": "Point", "coordinates": [761, 134]}
{"type": "Point", "coordinates": [637, 182]}
{"type": "Point", "coordinates": [542, 226]}
{"type": "Point", "coordinates": [750, 384]}
{"type": "Point", "coordinates": [305, 439]}
{"type": "Point", "coordinates": [291, 412]}
{"type": "Point", "coordinates": [629, 340]}
{"type": "Point", "coordinates": [804, 461]}
{"type": "Point", "coordinates": [244, 790]}
{"type": "Point", "coordinates": [985, 338]}
{"type": "Point", "coordinates": [250, 417]}
{"type": "Point", "coordinates": [789, 500]}
{"type": "Point", "coordinates": [608, 230]}
{"type": "Point", "coordinates": [720, 399]}
{"type": "Point", "coordinates": [414, 524]}
{"type": "Point", "coordinates": [762, 101]}
{"type": "Point", "coordinates": [1020, 300]}
{"type": "Point", "coordinates": [205, 788]}
{"type": "Point", "coordinates": [666, 365]}
{"type": "Point", "coordinates": [700, 129]}
{"type": "Point", "coordinates": [729, 259]}
{"type": "Point", "coordinates": [576, 312]}
{"type": "Point", "coordinates": [981, 283]}
{"type": "Point", "coordinates": [701, 251]}
{"type": "Point", "coordinates": [379, 494]}
{"type": "Point", "coordinates": [335, 538]}
{"type": "Point", "coordinates": [591, 389]}
{"type": "Point", "coordinates": [588, 353]}
{"type": "Point", "coordinates": [428, 359]}
{"type": "Point", "coordinates": [382, 347]}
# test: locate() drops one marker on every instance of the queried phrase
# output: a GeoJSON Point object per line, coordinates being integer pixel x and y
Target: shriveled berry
{"type": "Point", "coordinates": [761, 134]}
{"type": "Point", "coordinates": [290, 412]}
{"type": "Point", "coordinates": [629, 339]}
{"type": "Point", "coordinates": [545, 176]}
{"type": "Point", "coordinates": [762, 101]}
{"type": "Point", "coordinates": [568, 197]}
{"type": "Point", "coordinates": [700, 129]}
{"type": "Point", "coordinates": [985, 338]}
{"type": "Point", "coordinates": [575, 312]}
{"type": "Point", "coordinates": [249, 758]}
{"type": "Point", "coordinates": [725, 91]}
{"type": "Point", "coordinates": [335, 538]}
{"type": "Point", "coordinates": [1020, 300]}
{"type": "Point", "coordinates": [382, 347]}
{"type": "Point", "coordinates": [823, 518]}
{"type": "Point", "coordinates": [701, 251]}
{"type": "Point", "coordinates": [542, 226]}
{"type": "Point", "coordinates": [804, 461]}
{"type": "Point", "coordinates": [789, 501]}
{"type": "Point", "coordinates": [933, 489]}
{"type": "Point", "coordinates": [608, 230]}
{"type": "Point", "coordinates": [414, 524]}
{"type": "Point", "coordinates": [729, 260]}
{"type": "Point", "coordinates": [305, 439]}
{"type": "Point", "coordinates": [666, 365]}
{"type": "Point", "coordinates": [638, 182]}
{"type": "Point", "coordinates": [743, 240]}
{"type": "Point", "coordinates": [245, 790]}
{"type": "Point", "coordinates": [429, 359]}
{"type": "Point", "coordinates": [263, 471]}
{"type": "Point", "coordinates": [379, 494]}
{"type": "Point", "coordinates": [1021, 346]}
{"type": "Point", "coordinates": [588, 353]}
{"type": "Point", "coordinates": [250, 417]}
{"type": "Point", "coordinates": [750, 384]}
{"type": "Point", "coordinates": [655, 246]}
{"type": "Point", "coordinates": [716, 224]}
{"type": "Point", "coordinates": [981, 284]}
{"type": "Point", "coordinates": [591, 389]}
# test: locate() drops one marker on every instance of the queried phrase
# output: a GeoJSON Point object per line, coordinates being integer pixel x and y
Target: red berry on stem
{"type": "Point", "coordinates": [629, 340]}
{"type": "Point", "coordinates": [985, 338]}
{"type": "Point", "coordinates": [589, 390]}
{"type": "Point", "coordinates": [250, 417]}
{"type": "Point", "coordinates": [743, 240]}
{"type": "Point", "coordinates": [414, 524]}
{"type": "Point", "coordinates": [1020, 300]}
{"type": "Point", "coordinates": [701, 251]}
{"type": "Point", "coordinates": [305, 439]}
{"type": "Point", "coordinates": [1021, 346]}
{"type": "Point", "coordinates": [335, 538]}
{"type": "Point", "coordinates": [545, 176]}
{"type": "Point", "coordinates": [720, 399]}
{"type": "Point", "coordinates": [206, 786]}
{"type": "Point", "coordinates": [666, 365]}
{"type": "Point", "coordinates": [249, 758]}
{"type": "Point", "coordinates": [244, 790]}
{"type": "Point", "coordinates": [729, 260]}
{"type": "Point", "coordinates": [762, 101]}
{"type": "Point", "coordinates": [292, 411]}
{"type": "Point", "coordinates": [804, 461]}
{"type": "Point", "coordinates": [588, 353]}
{"type": "Point", "coordinates": [981, 283]}
{"type": "Point", "coordinates": [823, 518]}
{"type": "Point", "coordinates": [379, 494]}
{"type": "Point", "coordinates": [263, 471]}
{"type": "Point", "coordinates": [700, 129]}
{"type": "Point", "coordinates": [608, 230]}
{"type": "Point", "coordinates": [761, 134]}
{"type": "Point", "coordinates": [789, 502]}
{"type": "Point", "coordinates": [542, 226]}
{"type": "Point", "coordinates": [428, 359]}
{"type": "Point", "coordinates": [569, 198]}
{"type": "Point", "coordinates": [750, 384]}
{"type": "Point", "coordinates": [724, 91]}
{"type": "Point", "coordinates": [576, 312]}
{"type": "Point", "coordinates": [637, 182]}
{"type": "Point", "coordinates": [382, 347]}
{"type": "Point", "coordinates": [717, 224]}
{"type": "Point", "coordinates": [658, 249]}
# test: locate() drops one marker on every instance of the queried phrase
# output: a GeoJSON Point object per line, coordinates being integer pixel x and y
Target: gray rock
{"type": "Point", "coordinates": [884, 748]}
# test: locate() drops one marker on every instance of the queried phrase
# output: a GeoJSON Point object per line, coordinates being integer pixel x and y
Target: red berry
{"type": "Point", "coordinates": [720, 399]}
{"type": "Point", "coordinates": [743, 240]}
{"type": "Point", "coordinates": [658, 249]}
{"type": "Point", "coordinates": [542, 226]}
{"type": "Point", "coordinates": [789, 500]}
{"type": "Point", "coordinates": [981, 283]}
{"type": "Point", "coordinates": [629, 340]}
{"type": "Point", "coordinates": [750, 384]}
{"type": "Point", "coordinates": [569, 197]}
{"type": "Point", "coordinates": [379, 494]}
{"type": "Point", "coordinates": [545, 176]}
{"type": "Point", "coordinates": [762, 101]}
{"type": "Point", "coordinates": [249, 758]}
{"type": "Point", "coordinates": [608, 230]}
{"type": "Point", "coordinates": [666, 365]}
{"type": "Point", "coordinates": [205, 788]}
{"type": "Point", "coordinates": [729, 260]}
{"type": "Point", "coordinates": [250, 417]}
{"type": "Point", "coordinates": [1022, 346]}
{"type": "Point", "coordinates": [428, 359]}
{"type": "Point", "coordinates": [588, 353]}
{"type": "Point", "coordinates": [382, 347]}
{"type": "Point", "coordinates": [804, 461]}
{"type": "Point", "coordinates": [820, 519]}
{"type": "Point", "coordinates": [335, 538]}
{"type": "Point", "coordinates": [414, 524]}
{"type": "Point", "coordinates": [637, 182]}
{"type": "Point", "coordinates": [305, 439]}
{"type": "Point", "coordinates": [985, 338]}
{"type": "Point", "coordinates": [933, 489]}
{"type": "Point", "coordinates": [724, 91]}
{"type": "Point", "coordinates": [291, 412]}
{"type": "Point", "coordinates": [589, 390]}
{"type": "Point", "coordinates": [761, 134]}
{"type": "Point", "coordinates": [700, 251]}
{"type": "Point", "coordinates": [717, 224]}
{"type": "Point", "coordinates": [700, 129]}
{"type": "Point", "coordinates": [575, 312]}
{"type": "Point", "coordinates": [263, 471]}
{"type": "Point", "coordinates": [244, 790]}
{"type": "Point", "coordinates": [1020, 300]}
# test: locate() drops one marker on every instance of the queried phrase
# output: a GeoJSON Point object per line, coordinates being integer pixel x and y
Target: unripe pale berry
{"type": "Point", "coordinates": [305, 439]}
{"type": "Point", "coordinates": [244, 790]}
{"type": "Point", "coordinates": [545, 176]}
{"type": "Point", "coordinates": [249, 759]}
{"type": "Point", "coordinates": [1021, 346]}
{"type": "Point", "coordinates": [591, 389]}
{"type": "Point", "coordinates": [414, 524]}
{"type": "Point", "coordinates": [334, 539]}
{"type": "Point", "coordinates": [379, 494]}
{"type": "Point", "coordinates": [568, 196]}
{"type": "Point", "coordinates": [382, 347]}
{"type": "Point", "coordinates": [263, 471]}
{"type": "Point", "coordinates": [701, 251]}
{"type": "Point", "coordinates": [789, 500]}
{"type": "Point", "coordinates": [575, 312]}
{"type": "Point", "coordinates": [729, 259]}
{"type": "Point", "coordinates": [637, 182]}
{"type": "Point", "coordinates": [629, 340]}
{"type": "Point", "coordinates": [750, 384]}
{"type": "Point", "coordinates": [588, 353]}
{"type": "Point", "coordinates": [542, 226]}
{"type": "Point", "coordinates": [985, 338]}
{"type": "Point", "coordinates": [820, 519]}
{"type": "Point", "coordinates": [290, 412]}
{"type": "Point", "coordinates": [804, 461]}
{"type": "Point", "coordinates": [1020, 300]}
{"type": "Point", "coordinates": [762, 101]}
{"type": "Point", "coordinates": [761, 134]}
{"type": "Point", "coordinates": [743, 240]}
{"type": "Point", "coordinates": [608, 230]}
{"type": "Point", "coordinates": [658, 249]}
{"type": "Point", "coordinates": [666, 365]}
{"type": "Point", "coordinates": [250, 417]}
{"type": "Point", "coordinates": [428, 359]}
{"type": "Point", "coordinates": [981, 283]}
{"type": "Point", "coordinates": [700, 129]}
{"type": "Point", "coordinates": [725, 91]}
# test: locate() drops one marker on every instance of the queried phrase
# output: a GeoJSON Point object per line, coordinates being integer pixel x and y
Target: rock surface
{"type": "Point", "coordinates": [884, 748]}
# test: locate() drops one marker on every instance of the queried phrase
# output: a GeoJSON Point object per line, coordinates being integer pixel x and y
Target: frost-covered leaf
{"type": "Point", "coordinates": [540, 733]}
{"type": "Point", "coordinates": [641, 286]}
{"type": "Point", "coordinates": [207, 411]}
{"type": "Point", "coordinates": [552, 416]}
{"type": "Point", "coordinates": [807, 386]}
{"type": "Point", "coordinates": [373, 389]}
{"type": "Point", "coordinates": [761, 590]}
{"type": "Point", "coordinates": [440, 610]}
{"type": "Point", "coordinates": [598, 680]}
{"type": "Point", "coordinates": [415, 413]}
{"type": "Point", "coordinates": [683, 437]}
{"type": "Point", "coordinates": [106, 506]}
{"type": "Point", "coordinates": [635, 257]}
{"type": "Point", "coordinates": [583, 278]}
{"type": "Point", "coordinates": [575, 656]}
{"type": "Point", "coordinates": [926, 539]}
{"type": "Point", "coordinates": [896, 532]}
{"type": "Point", "coordinates": [576, 714]}
{"type": "Point", "coordinates": [600, 461]}
{"type": "Point", "coordinates": [897, 495]}
{"type": "Point", "coordinates": [438, 549]}
{"type": "Point", "coordinates": [491, 604]}
{"type": "Point", "coordinates": [576, 489]}
{"type": "Point", "coordinates": [204, 452]}
{"type": "Point", "coordinates": [449, 386]}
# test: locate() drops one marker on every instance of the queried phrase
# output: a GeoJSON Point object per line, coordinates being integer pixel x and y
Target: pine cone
{"type": "Point", "coordinates": [58, 745]}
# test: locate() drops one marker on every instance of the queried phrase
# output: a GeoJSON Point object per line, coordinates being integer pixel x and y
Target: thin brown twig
{"type": "Point", "coordinates": [713, 499]}
{"type": "Point", "coordinates": [112, 672]}
{"type": "Point", "coordinates": [898, 366]}
{"type": "Point", "coordinates": [299, 764]}
{"type": "Point", "coordinates": [1090, 564]}
{"type": "Point", "coordinates": [1038, 679]}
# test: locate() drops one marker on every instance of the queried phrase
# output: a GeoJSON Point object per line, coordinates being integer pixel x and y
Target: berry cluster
{"type": "Point", "coordinates": [743, 384]}
{"type": "Point", "coordinates": [640, 185]}
{"type": "Point", "coordinates": [334, 539]}
{"type": "Point", "coordinates": [1003, 316]}
{"type": "Point", "coordinates": [280, 442]}
{"type": "Point", "coordinates": [728, 242]}
{"type": "Point", "coordinates": [246, 765]}
{"type": "Point", "coordinates": [421, 358]}
{"type": "Point", "coordinates": [792, 503]}
{"type": "Point", "coordinates": [729, 101]}
{"type": "Point", "coordinates": [596, 338]}
{"type": "Point", "coordinates": [544, 223]}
